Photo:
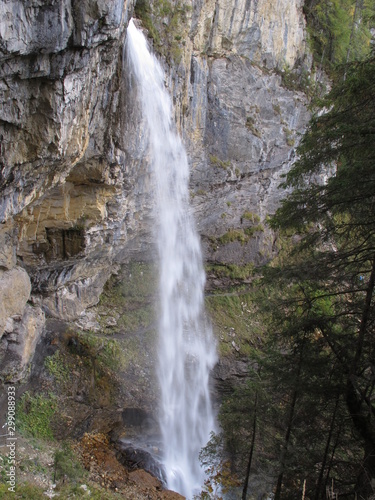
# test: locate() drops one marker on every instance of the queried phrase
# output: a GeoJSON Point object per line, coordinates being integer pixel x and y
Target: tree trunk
{"type": "Point", "coordinates": [319, 492]}
{"type": "Point", "coordinates": [244, 492]}
{"type": "Point", "coordinates": [332, 457]}
{"type": "Point", "coordinates": [363, 417]}
{"type": "Point", "coordinates": [360, 407]}
{"type": "Point", "coordinates": [288, 431]}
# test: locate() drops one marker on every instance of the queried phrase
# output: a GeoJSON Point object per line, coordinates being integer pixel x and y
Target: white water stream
{"type": "Point", "coordinates": [186, 347]}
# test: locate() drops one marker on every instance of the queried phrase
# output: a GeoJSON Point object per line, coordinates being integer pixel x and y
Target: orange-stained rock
{"type": "Point", "coordinates": [152, 486]}
{"type": "Point", "coordinates": [143, 478]}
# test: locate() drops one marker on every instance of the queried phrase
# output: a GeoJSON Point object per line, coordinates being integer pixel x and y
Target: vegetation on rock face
{"type": "Point", "coordinates": [35, 413]}
{"type": "Point", "coordinates": [165, 21]}
{"type": "Point", "coordinates": [250, 124]}
{"type": "Point", "coordinates": [216, 162]}
{"type": "Point", "coordinates": [66, 465]}
{"type": "Point", "coordinates": [57, 368]}
{"type": "Point", "coordinates": [252, 229]}
{"type": "Point", "coordinates": [340, 30]}
{"type": "Point", "coordinates": [232, 271]}
{"type": "Point", "coordinates": [236, 329]}
{"type": "Point", "coordinates": [57, 472]}
{"type": "Point", "coordinates": [241, 235]}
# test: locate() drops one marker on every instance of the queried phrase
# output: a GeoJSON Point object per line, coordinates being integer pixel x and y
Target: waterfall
{"type": "Point", "coordinates": [186, 345]}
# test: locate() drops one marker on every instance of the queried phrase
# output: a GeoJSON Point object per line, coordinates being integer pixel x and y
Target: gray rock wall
{"type": "Point", "coordinates": [65, 179]}
{"type": "Point", "coordinates": [239, 121]}
{"type": "Point", "coordinates": [76, 190]}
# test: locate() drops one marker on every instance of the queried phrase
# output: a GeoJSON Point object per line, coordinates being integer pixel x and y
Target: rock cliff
{"type": "Point", "coordinates": [76, 190]}
{"type": "Point", "coordinates": [239, 119]}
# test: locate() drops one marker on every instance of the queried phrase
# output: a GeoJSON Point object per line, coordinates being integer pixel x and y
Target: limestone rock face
{"type": "Point", "coordinates": [56, 86]}
{"type": "Point", "coordinates": [65, 179]}
{"type": "Point", "coordinates": [261, 30]}
{"type": "Point", "coordinates": [239, 120]}
{"type": "Point", "coordinates": [250, 131]}
{"type": "Point", "coordinates": [19, 341]}
{"type": "Point", "coordinates": [75, 183]}
{"type": "Point", "coordinates": [15, 288]}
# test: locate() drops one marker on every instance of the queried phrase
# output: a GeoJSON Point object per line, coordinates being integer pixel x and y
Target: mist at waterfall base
{"type": "Point", "coordinates": [187, 350]}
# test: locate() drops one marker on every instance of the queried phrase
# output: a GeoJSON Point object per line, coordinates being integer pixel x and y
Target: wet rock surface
{"type": "Point", "coordinates": [15, 288]}
{"type": "Point", "coordinates": [228, 373]}
{"type": "Point", "coordinates": [134, 457]}
{"type": "Point", "coordinates": [18, 344]}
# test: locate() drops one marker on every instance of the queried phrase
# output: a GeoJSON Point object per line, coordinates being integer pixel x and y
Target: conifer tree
{"type": "Point", "coordinates": [328, 279]}
{"type": "Point", "coordinates": [340, 30]}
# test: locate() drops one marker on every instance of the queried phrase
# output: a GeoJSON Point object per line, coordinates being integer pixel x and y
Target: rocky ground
{"type": "Point", "coordinates": [86, 469]}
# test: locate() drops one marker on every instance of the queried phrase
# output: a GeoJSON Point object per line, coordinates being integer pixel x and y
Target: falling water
{"type": "Point", "coordinates": [186, 347]}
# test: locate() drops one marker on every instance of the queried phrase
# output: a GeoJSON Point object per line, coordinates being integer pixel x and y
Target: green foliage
{"type": "Point", "coordinates": [234, 320]}
{"type": "Point", "coordinates": [251, 216]}
{"type": "Point", "coordinates": [142, 11]}
{"type": "Point", "coordinates": [4, 468]}
{"type": "Point", "coordinates": [166, 23]}
{"type": "Point", "coordinates": [22, 492]}
{"type": "Point", "coordinates": [106, 352]}
{"type": "Point", "coordinates": [241, 235]}
{"type": "Point", "coordinates": [289, 137]}
{"type": "Point", "coordinates": [321, 294]}
{"type": "Point", "coordinates": [56, 367]}
{"type": "Point", "coordinates": [340, 30]}
{"type": "Point", "coordinates": [253, 230]}
{"type": "Point", "coordinates": [277, 108]}
{"type": "Point", "coordinates": [297, 79]}
{"type": "Point", "coordinates": [233, 235]}
{"type": "Point", "coordinates": [139, 281]}
{"type": "Point", "coordinates": [250, 124]}
{"type": "Point", "coordinates": [32, 465]}
{"type": "Point", "coordinates": [35, 414]}
{"type": "Point", "coordinates": [137, 318]}
{"type": "Point", "coordinates": [246, 423]}
{"type": "Point", "coordinates": [201, 192]}
{"type": "Point", "coordinates": [305, 381]}
{"type": "Point", "coordinates": [216, 162]}
{"type": "Point", "coordinates": [232, 271]}
{"type": "Point", "coordinates": [314, 309]}
{"type": "Point", "coordinates": [343, 137]}
{"type": "Point", "coordinates": [66, 465]}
